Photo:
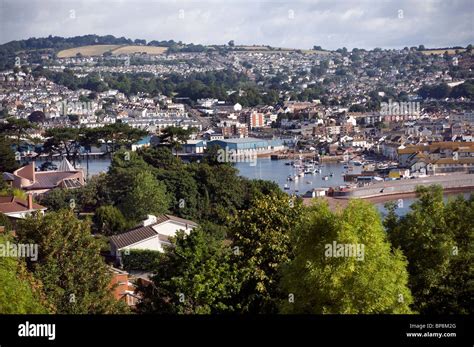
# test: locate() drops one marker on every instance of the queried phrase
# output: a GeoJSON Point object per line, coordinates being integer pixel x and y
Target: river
{"type": "Point", "coordinates": [276, 171]}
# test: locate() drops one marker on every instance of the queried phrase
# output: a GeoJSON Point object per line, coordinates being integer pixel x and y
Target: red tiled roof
{"type": "Point", "coordinates": [11, 204]}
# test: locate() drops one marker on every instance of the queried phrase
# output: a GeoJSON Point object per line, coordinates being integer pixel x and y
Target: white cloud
{"type": "Point", "coordinates": [330, 24]}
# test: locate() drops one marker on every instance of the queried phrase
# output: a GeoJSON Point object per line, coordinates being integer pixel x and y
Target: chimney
{"type": "Point", "coordinates": [30, 201]}
{"type": "Point", "coordinates": [151, 219]}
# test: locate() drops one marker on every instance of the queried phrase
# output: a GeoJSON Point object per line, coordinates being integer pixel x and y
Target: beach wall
{"type": "Point", "coordinates": [453, 181]}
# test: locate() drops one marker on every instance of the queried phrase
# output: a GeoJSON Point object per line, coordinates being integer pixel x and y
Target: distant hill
{"type": "Point", "coordinates": [440, 51]}
{"type": "Point", "coordinates": [98, 50]}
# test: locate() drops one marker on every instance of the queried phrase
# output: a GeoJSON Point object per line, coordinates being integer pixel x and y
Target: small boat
{"type": "Point", "coordinates": [331, 174]}
{"type": "Point", "coordinates": [288, 163]}
{"type": "Point", "coordinates": [325, 178]}
{"type": "Point", "coordinates": [286, 187]}
{"type": "Point", "coordinates": [357, 163]}
{"type": "Point", "coordinates": [308, 182]}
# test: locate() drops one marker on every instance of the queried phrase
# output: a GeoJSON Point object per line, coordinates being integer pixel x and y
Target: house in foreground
{"type": "Point", "coordinates": [152, 234]}
{"type": "Point", "coordinates": [16, 208]}
{"type": "Point", "coordinates": [123, 288]}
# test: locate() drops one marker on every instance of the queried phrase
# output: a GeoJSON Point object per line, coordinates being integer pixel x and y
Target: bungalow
{"type": "Point", "coordinates": [15, 208]}
{"type": "Point", "coordinates": [152, 234]}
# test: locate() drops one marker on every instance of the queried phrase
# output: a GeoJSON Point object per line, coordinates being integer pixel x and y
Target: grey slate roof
{"type": "Point", "coordinates": [141, 232]}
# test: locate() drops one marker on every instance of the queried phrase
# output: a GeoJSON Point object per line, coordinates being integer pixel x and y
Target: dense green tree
{"type": "Point", "coordinates": [124, 166]}
{"type": "Point", "coordinates": [145, 195]}
{"type": "Point", "coordinates": [20, 293]}
{"type": "Point", "coordinates": [196, 276]}
{"type": "Point", "coordinates": [176, 137]}
{"type": "Point", "coordinates": [74, 275]}
{"type": "Point", "coordinates": [17, 128]}
{"type": "Point", "coordinates": [161, 158]}
{"type": "Point", "coordinates": [437, 240]}
{"type": "Point", "coordinates": [109, 220]}
{"type": "Point", "coordinates": [37, 117]}
{"type": "Point", "coordinates": [94, 194]}
{"type": "Point", "coordinates": [261, 241]}
{"type": "Point", "coordinates": [63, 141]}
{"type": "Point", "coordinates": [5, 222]}
{"type": "Point", "coordinates": [221, 191]}
{"type": "Point", "coordinates": [323, 279]}
{"type": "Point", "coordinates": [119, 135]}
{"type": "Point", "coordinates": [8, 161]}
{"type": "Point", "coordinates": [58, 199]}
{"type": "Point", "coordinates": [183, 192]}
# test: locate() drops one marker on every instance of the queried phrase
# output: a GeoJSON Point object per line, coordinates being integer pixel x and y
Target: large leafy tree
{"type": "Point", "coordinates": [221, 190]}
{"type": "Point", "coordinates": [183, 192]}
{"type": "Point", "coordinates": [372, 279]}
{"type": "Point", "coordinates": [437, 240]}
{"type": "Point", "coordinates": [20, 293]}
{"type": "Point", "coordinates": [117, 135]}
{"type": "Point", "coordinates": [109, 220]}
{"type": "Point", "coordinates": [195, 276]}
{"type": "Point", "coordinates": [261, 241]}
{"type": "Point", "coordinates": [74, 275]}
{"type": "Point", "coordinates": [7, 157]}
{"type": "Point", "coordinates": [17, 128]}
{"type": "Point", "coordinates": [175, 137]}
{"type": "Point", "coordinates": [161, 158]}
{"type": "Point", "coordinates": [124, 167]}
{"type": "Point", "coordinates": [145, 195]}
{"type": "Point", "coordinates": [63, 141]}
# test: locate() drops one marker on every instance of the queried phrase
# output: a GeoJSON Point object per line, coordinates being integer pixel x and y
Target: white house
{"type": "Point", "coordinates": [15, 208]}
{"type": "Point", "coordinates": [152, 234]}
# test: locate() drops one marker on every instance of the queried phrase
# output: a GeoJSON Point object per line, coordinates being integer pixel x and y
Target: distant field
{"type": "Point", "coordinates": [312, 51]}
{"type": "Point", "coordinates": [93, 50]}
{"type": "Point", "coordinates": [253, 48]}
{"type": "Point", "coordinates": [441, 51]}
{"type": "Point", "coordinates": [97, 50]}
{"type": "Point", "coordinates": [265, 49]}
{"type": "Point", "coordinates": [139, 49]}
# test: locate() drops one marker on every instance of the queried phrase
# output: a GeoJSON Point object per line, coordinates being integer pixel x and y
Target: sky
{"type": "Point", "coordinates": [301, 24]}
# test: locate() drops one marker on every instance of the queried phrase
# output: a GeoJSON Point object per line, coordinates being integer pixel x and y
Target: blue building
{"type": "Point", "coordinates": [242, 145]}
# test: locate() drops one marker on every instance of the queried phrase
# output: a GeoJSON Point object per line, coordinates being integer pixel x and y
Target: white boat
{"type": "Point", "coordinates": [325, 178]}
{"type": "Point", "coordinates": [286, 187]}
{"type": "Point", "coordinates": [356, 163]}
